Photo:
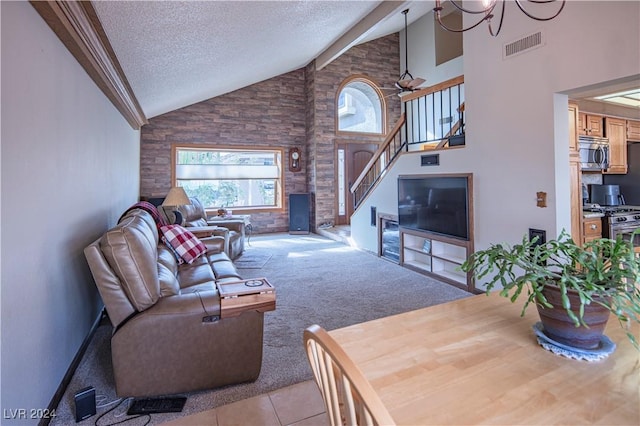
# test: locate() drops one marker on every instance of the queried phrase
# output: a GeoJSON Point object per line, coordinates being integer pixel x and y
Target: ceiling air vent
{"type": "Point", "coordinates": [522, 45]}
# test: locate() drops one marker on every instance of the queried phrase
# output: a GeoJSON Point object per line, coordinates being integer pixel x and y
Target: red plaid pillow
{"type": "Point", "coordinates": [187, 245]}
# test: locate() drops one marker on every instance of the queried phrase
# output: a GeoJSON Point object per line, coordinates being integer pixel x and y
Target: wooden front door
{"type": "Point", "coordinates": [355, 157]}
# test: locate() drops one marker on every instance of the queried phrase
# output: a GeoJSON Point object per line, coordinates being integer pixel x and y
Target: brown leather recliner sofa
{"type": "Point", "coordinates": [168, 336]}
{"type": "Point", "coordinates": [194, 215]}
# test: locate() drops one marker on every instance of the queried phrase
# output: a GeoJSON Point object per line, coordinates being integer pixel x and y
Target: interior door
{"type": "Point", "coordinates": [352, 157]}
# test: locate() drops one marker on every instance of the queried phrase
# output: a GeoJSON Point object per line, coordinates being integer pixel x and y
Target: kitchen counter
{"type": "Point", "coordinates": [589, 215]}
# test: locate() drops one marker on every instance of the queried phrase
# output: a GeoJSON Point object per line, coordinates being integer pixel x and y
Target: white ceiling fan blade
{"type": "Point", "coordinates": [413, 84]}
{"type": "Point", "coordinates": [404, 84]}
{"type": "Point", "coordinates": [409, 84]}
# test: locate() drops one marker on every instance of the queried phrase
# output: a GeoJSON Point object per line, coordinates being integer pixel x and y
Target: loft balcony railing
{"type": "Point", "coordinates": [435, 113]}
{"type": "Point", "coordinates": [432, 115]}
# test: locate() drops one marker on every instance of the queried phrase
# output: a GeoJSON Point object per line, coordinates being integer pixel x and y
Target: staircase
{"type": "Point", "coordinates": [433, 117]}
{"type": "Point", "coordinates": [382, 159]}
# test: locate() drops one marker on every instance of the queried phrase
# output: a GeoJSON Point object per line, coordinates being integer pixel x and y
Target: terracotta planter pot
{"type": "Point", "coordinates": [559, 327]}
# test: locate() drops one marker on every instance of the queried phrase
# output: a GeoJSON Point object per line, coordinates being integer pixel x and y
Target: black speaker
{"type": "Point", "coordinates": [299, 212]}
{"type": "Point", "coordinates": [85, 403]}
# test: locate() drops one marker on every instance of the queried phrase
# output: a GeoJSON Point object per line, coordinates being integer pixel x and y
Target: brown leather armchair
{"type": "Point", "coordinates": [168, 336]}
{"type": "Point", "coordinates": [195, 215]}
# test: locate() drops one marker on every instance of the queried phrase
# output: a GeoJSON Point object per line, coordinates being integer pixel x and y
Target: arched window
{"type": "Point", "coordinates": [360, 107]}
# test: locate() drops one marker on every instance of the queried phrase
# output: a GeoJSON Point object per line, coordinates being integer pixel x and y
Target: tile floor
{"type": "Point", "coordinates": [300, 405]}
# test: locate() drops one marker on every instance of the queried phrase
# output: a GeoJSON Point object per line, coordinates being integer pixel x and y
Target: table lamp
{"type": "Point", "coordinates": [176, 197]}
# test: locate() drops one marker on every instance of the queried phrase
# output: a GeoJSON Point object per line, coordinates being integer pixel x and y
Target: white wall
{"type": "Point", "coordinates": [70, 166]}
{"type": "Point", "coordinates": [516, 120]}
{"type": "Point", "coordinates": [385, 197]}
{"type": "Point", "coordinates": [519, 127]}
{"type": "Point", "coordinates": [422, 54]}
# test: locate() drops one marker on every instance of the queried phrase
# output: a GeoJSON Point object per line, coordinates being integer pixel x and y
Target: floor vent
{"type": "Point", "coordinates": [523, 44]}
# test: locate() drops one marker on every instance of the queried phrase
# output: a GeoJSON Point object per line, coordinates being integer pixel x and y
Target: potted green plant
{"type": "Point", "coordinates": [568, 283]}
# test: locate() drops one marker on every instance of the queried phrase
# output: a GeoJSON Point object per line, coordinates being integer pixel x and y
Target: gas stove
{"type": "Point", "coordinates": [622, 219]}
{"type": "Point", "coordinates": [630, 217]}
{"type": "Point", "coordinates": [618, 220]}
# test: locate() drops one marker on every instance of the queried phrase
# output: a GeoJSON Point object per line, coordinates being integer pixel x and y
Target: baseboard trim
{"type": "Point", "coordinates": [57, 397]}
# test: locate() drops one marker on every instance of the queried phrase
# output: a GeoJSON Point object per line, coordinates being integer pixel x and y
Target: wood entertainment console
{"type": "Point", "coordinates": [437, 256]}
{"type": "Point", "coordinates": [436, 225]}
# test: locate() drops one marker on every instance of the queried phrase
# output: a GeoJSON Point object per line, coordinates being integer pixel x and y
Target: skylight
{"type": "Point", "coordinates": [627, 98]}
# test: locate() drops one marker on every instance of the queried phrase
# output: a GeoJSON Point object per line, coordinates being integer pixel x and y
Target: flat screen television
{"type": "Point", "coordinates": [435, 203]}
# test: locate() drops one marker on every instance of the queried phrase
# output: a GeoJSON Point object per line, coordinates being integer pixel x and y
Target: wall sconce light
{"type": "Point", "coordinates": [295, 162]}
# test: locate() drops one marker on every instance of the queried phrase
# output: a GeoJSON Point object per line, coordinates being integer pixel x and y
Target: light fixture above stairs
{"type": "Point", "coordinates": [406, 82]}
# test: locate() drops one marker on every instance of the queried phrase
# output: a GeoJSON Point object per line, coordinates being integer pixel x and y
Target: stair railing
{"type": "Point", "coordinates": [431, 116]}
{"type": "Point", "coordinates": [457, 128]}
{"type": "Point", "coordinates": [382, 159]}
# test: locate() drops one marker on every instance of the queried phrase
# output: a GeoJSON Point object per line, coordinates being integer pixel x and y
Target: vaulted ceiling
{"type": "Point", "coordinates": [174, 54]}
{"type": "Point", "coordinates": [152, 57]}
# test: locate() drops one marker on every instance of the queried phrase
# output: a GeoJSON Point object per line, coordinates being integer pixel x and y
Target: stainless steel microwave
{"type": "Point", "coordinates": [594, 153]}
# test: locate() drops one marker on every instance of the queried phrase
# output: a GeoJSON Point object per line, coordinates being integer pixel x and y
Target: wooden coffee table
{"type": "Point", "coordinates": [254, 294]}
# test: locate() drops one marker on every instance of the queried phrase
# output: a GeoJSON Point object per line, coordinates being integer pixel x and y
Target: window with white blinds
{"type": "Point", "coordinates": [230, 177]}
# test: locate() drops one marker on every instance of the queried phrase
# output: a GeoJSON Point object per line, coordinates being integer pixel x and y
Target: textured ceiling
{"type": "Point", "coordinates": [178, 53]}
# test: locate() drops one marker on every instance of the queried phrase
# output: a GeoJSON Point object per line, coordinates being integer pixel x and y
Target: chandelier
{"type": "Point", "coordinates": [487, 12]}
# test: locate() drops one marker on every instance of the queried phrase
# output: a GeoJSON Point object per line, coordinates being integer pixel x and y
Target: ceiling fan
{"type": "Point", "coordinates": [406, 82]}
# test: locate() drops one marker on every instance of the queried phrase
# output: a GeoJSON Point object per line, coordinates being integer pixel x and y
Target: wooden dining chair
{"type": "Point", "coordinates": [348, 396]}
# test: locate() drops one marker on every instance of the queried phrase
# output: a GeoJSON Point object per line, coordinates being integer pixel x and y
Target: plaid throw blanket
{"type": "Point", "coordinates": [151, 209]}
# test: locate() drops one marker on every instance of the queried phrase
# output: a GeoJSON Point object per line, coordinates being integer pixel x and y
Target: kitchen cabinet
{"type": "Point", "coordinates": [575, 174]}
{"type": "Point", "coordinates": [616, 132]}
{"type": "Point", "coordinates": [573, 130]}
{"type": "Point", "coordinates": [592, 228]}
{"type": "Point", "coordinates": [633, 130]}
{"type": "Point", "coordinates": [575, 179]}
{"type": "Point", "coordinates": [590, 124]}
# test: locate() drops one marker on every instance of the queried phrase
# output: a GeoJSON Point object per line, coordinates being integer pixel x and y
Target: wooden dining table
{"type": "Point", "coordinates": [476, 361]}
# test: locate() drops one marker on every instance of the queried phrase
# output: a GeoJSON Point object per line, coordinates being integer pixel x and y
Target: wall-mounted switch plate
{"type": "Point", "coordinates": [541, 198]}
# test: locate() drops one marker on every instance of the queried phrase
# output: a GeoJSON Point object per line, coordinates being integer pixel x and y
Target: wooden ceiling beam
{"type": "Point", "coordinates": [359, 31]}
{"type": "Point", "coordinates": [77, 25]}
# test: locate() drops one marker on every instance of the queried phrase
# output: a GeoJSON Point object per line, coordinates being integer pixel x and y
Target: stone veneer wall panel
{"type": "Point", "coordinates": [293, 109]}
{"type": "Point", "coordinates": [268, 114]}
{"type": "Point", "coordinates": [310, 81]}
{"type": "Point", "coordinates": [380, 61]}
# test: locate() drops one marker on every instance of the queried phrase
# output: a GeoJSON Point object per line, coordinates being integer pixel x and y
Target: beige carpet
{"type": "Point", "coordinates": [318, 281]}
{"type": "Point", "coordinates": [252, 258]}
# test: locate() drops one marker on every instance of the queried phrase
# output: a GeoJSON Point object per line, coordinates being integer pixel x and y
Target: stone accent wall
{"type": "Point", "coordinates": [310, 73]}
{"type": "Point", "coordinates": [379, 60]}
{"type": "Point", "coordinates": [293, 109]}
{"type": "Point", "coordinates": [267, 114]}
